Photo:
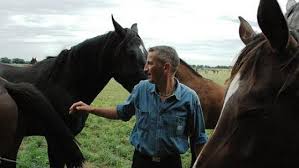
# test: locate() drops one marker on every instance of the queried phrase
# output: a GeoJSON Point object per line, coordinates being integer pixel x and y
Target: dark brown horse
{"type": "Point", "coordinates": [33, 60]}
{"type": "Point", "coordinates": [210, 93]}
{"type": "Point", "coordinates": [8, 120]}
{"type": "Point", "coordinates": [79, 73]}
{"type": "Point", "coordinates": [24, 100]}
{"type": "Point", "coordinates": [259, 123]}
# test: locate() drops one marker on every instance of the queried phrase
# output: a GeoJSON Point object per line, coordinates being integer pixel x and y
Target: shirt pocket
{"type": "Point", "coordinates": [143, 122]}
{"type": "Point", "coordinates": [175, 125]}
{"type": "Point", "coordinates": [180, 125]}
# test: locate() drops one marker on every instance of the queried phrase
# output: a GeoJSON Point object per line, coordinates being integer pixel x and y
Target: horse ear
{"type": "Point", "coordinates": [273, 24]}
{"type": "Point", "coordinates": [290, 5]}
{"type": "Point", "coordinates": [134, 27]}
{"type": "Point", "coordinates": [245, 31]}
{"type": "Point", "coordinates": [118, 29]}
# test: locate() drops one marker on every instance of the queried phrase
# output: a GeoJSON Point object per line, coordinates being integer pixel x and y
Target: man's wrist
{"type": "Point", "coordinates": [92, 110]}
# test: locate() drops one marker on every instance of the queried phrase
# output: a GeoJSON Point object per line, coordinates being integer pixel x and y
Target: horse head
{"type": "Point", "coordinates": [33, 60]}
{"type": "Point", "coordinates": [259, 118]}
{"type": "Point", "coordinates": [79, 73]}
{"type": "Point", "coordinates": [131, 56]}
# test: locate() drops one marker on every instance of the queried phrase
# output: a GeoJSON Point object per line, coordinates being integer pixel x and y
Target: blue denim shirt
{"type": "Point", "coordinates": [161, 126]}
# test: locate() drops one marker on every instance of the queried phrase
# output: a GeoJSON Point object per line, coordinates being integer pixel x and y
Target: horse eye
{"type": "Point", "coordinates": [132, 55]}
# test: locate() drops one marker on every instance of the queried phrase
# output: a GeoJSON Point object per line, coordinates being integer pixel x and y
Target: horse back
{"type": "Point", "coordinates": [211, 98]}
{"type": "Point", "coordinates": [19, 73]}
{"type": "Point", "coordinates": [210, 93]}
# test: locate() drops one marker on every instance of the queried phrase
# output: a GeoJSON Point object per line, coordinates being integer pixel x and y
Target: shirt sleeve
{"type": "Point", "coordinates": [199, 125]}
{"type": "Point", "coordinates": [126, 110]}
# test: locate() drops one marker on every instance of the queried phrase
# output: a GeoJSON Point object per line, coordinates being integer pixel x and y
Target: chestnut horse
{"type": "Point", "coordinates": [259, 123]}
{"type": "Point", "coordinates": [79, 73]}
{"type": "Point", "coordinates": [8, 120]}
{"type": "Point", "coordinates": [210, 93]}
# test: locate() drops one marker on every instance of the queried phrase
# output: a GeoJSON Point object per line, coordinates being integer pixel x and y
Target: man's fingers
{"type": "Point", "coordinates": [76, 104]}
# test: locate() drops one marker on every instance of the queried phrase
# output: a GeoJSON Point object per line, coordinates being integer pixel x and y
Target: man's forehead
{"type": "Point", "coordinates": [151, 56]}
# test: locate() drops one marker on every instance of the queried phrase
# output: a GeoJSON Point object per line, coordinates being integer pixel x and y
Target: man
{"type": "Point", "coordinates": [167, 113]}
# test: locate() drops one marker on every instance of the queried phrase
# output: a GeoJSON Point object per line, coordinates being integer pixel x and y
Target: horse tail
{"type": "Point", "coordinates": [30, 100]}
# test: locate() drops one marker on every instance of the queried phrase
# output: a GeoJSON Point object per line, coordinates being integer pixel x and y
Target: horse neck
{"type": "Point", "coordinates": [186, 74]}
{"type": "Point", "coordinates": [17, 74]}
{"type": "Point", "coordinates": [84, 76]}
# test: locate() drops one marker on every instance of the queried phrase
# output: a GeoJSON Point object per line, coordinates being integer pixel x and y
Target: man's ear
{"type": "Point", "coordinates": [167, 67]}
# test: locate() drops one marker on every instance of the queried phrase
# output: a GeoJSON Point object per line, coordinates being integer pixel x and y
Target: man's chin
{"type": "Point", "coordinates": [150, 80]}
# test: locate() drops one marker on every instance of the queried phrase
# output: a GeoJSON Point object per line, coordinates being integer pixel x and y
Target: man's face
{"type": "Point", "coordinates": [153, 68]}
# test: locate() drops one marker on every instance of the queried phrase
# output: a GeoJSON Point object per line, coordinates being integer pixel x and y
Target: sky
{"type": "Point", "coordinates": [204, 32]}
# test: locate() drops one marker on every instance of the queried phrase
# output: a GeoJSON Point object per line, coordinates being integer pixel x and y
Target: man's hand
{"type": "Point", "coordinates": [80, 106]}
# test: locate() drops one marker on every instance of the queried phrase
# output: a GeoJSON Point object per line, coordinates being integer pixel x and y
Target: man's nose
{"type": "Point", "coordinates": [145, 69]}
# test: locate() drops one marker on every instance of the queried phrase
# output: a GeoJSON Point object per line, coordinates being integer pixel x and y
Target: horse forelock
{"type": "Point", "coordinates": [130, 35]}
{"type": "Point", "coordinates": [128, 38]}
{"type": "Point", "coordinates": [128, 60]}
{"type": "Point", "coordinates": [248, 58]}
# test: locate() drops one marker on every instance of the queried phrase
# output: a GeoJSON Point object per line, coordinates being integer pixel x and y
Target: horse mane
{"type": "Point", "coordinates": [75, 51]}
{"type": "Point", "coordinates": [50, 57]}
{"type": "Point", "coordinates": [129, 36]}
{"type": "Point", "coordinates": [190, 68]}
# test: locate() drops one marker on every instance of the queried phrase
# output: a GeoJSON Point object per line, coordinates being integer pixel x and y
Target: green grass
{"type": "Point", "coordinates": [220, 77]}
{"type": "Point", "coordinates": [104, 143]}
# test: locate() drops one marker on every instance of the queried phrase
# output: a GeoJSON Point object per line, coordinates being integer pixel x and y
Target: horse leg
{"type": "Point", "coordinates": [58, 159]}
{"type": "Point", "coordinates": [12, 155]}
{"type": "Point", "coordinates": [61, 144]}
{"type": "Point", "coordinates": [54, 159]}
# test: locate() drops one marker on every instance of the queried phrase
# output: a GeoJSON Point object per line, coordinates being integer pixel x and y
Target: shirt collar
{"type": "Point", "coordinates": [177, 91]}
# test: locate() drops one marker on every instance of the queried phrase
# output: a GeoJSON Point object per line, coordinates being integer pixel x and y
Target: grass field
{"type": "Point", "coordinates": [104, 143]}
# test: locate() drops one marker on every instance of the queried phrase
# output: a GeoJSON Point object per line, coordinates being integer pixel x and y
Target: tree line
{"type": "Point", "coordinates": [16, 61]}
{"type": "Point", "coordinates": [198, 67]}
{"type": "Point", "coordinates": [33, 60]}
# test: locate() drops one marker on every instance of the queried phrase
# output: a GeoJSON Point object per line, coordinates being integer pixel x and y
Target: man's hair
{"type": "Point", "coordinates": [167, 54]}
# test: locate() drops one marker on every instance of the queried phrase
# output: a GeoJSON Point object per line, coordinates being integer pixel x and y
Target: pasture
{"type": "Point", "coordinates": [104, 143]}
